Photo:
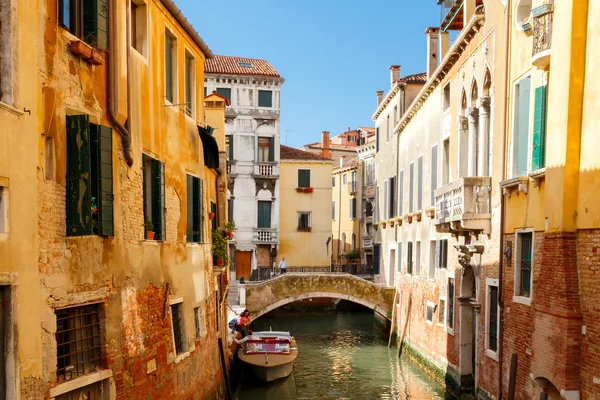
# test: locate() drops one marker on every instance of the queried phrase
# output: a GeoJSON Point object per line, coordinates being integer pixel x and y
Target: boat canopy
{"type": "Point", "coordinates": [271, 334]}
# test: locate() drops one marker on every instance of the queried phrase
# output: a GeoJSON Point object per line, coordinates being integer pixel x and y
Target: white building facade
{"type": "Point", "coordinates": [252, 125]}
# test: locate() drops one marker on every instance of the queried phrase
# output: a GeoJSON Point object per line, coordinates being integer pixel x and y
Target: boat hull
{"type": "Point", "coordinates": [270, 374]}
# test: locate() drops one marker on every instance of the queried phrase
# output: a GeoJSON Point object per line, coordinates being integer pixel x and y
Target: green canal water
{"type": "Point", "coordinates": [341, 356]}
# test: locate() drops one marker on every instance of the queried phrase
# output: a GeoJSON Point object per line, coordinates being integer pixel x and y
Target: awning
{"type": "Point", "coordinates": [210, 146]}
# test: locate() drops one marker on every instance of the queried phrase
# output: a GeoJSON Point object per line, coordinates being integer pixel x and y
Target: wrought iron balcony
{"type": "Point", "coordinates": [266, 169]}
{"type": "Point", "coordinates": [463, 206]}
{"type": "Point", "coordinates": [542, 35]}
{"type": "Point", "coordinates": [265, 235]}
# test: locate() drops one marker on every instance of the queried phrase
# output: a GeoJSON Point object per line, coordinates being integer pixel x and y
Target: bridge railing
{"type": "Point", "coordinates": [354, 269]}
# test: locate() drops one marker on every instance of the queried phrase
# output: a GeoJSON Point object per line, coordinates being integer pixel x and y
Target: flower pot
{"type": "Point", "coordinates": [399, 221]}
{"type": "Point", "coordinates": [219, 262]}
{"type": "Point", "coordinates": [229, 235]}
{"type": "Point", "coordinates": [383, 224]}
{"type": "Point", "coordinates": [375, 226]}
{"type": "Point", "coordinates": [81, 49]}
{"type": "Point", "coordinates": [431, 213]}
{"type": "Point", "coordinates": [418, 216]}
{"type": "Point", "coordinates": [96, 58]}
{"type": "Point", "coordinates": [211, 215]}
{"type": "Point", "coordinates": [391, 224]}
{"type": "Point", "coordinates": [409, 219]}
{"type": "Point", "coordinates": [150, 235]}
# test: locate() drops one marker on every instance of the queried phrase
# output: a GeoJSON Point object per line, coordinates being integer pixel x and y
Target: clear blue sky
{"type": "Point", "coordinates": [333, 54]}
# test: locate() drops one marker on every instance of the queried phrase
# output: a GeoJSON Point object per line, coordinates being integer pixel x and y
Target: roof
{"type": "Point", "coordinates": [415, 78]}
{"type": "Point", "coordinates": [355, 162]}
{"type": "Point", "coordinates": [229, 65]}
{"type": "Point", "coordinates": [337, 147]}
{"type": "Point", "coordinates": [420, 78]}
{"type": "Point", "coordinates": [290, 153]}
{"type": "Point", "coordinates": [367, 130]}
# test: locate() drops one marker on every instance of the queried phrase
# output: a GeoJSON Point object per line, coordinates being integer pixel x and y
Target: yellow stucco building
{"type": "Point", "coordinates": [552, 180]}
{"type": "Point", "coordinates": [304, 220]}
{"type": "Point", "coordinates": [346, 206]}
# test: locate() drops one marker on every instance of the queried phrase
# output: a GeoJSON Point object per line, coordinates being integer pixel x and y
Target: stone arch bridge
{"type": "Point", "coordinates": [261, 297]}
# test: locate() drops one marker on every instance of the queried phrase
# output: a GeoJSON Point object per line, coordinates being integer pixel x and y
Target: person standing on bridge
{"type": "Point", "coordinates": [282, 265]}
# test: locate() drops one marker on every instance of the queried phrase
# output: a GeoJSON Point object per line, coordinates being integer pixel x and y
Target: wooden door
{"type": "Point", "coordinates": [242, 264]}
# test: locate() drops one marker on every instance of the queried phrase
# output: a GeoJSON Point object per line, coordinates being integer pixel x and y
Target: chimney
{"type": "Point", "coordinates": [379, 96]}
{"type": "Point", "coordinates": [394, 74]}
{"type": "Point", "coordinates": [433, 37]}
{"type": "Point", "coordinates": [325, 143]}
{"type": "Point", "coordinates": [348, 130]}
{"type": "Point", "coordinates": [342, 161]}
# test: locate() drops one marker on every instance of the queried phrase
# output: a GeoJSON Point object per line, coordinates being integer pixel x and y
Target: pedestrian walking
{"type": "Point", "coordinates": [282, 265]}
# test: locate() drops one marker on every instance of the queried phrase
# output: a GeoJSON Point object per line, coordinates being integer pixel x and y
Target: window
{"type": "Point", "coordinates": [304, 178]}
{"type": "Point", "coordinates": [333, 181]}
{"type": "Point", "coordinates": [446, 99]}
{"type": "Point", "coordinates": [344, 242]}
{"type": "Point", "coordinates": [446, 168]}
{"type": "Point", "coordinates": [353, 182]}
{"type": "Point", "coordinates": [524, 263]}
{"type": "Point", "coordinates": [229, 147]}
{"type": "Point", "coordinates": [8, 342]}
{"type": "Point", "coordinates": [225, 92]}
{"type": "Point", "coordinates": [521, 127]}
{"type": "Point", "coordinates": [409, 259]}
{"type": "Point", "coordinates": [392, 194]}
{"type": "Point", "coordinates": [265, 98]}
{"type": "Point", "coordinates": [195, 209]}
{"type": "Point", "coordinates": [441, 311]}
{"type": "Point", "coordinates": [170, 66]}
{"type": "Point", "coordinates": [86, 19]}
{"type": "Point", "coordinates": [399, 257]}
{"type": "Point", "coordinates": [344, 179]}
{"type": "Point", "coordinates": [491, 324]}
{"type": "Point", "coordinates": [377, 204]}
{"type": "Point", "coordinates": [138, 27]}
{"type": "Point", "coordinates": [418, 259]}
{"type": "Point", "coordinates": [387, 128]}
{"type": "Point", "coordinates": [178, 327]}
{"type": "Point", "coordinates": [377, 140]}
{"type": "Point", "coordinates": [264, 214]}
{"type": "Point", "coordinates": [304, 221]}
{"type": "Point", "coordinates": [429, 312]}
{"type": "Point", "coordinates": [434, 173]}
{"type": "Point", "coordinates": [154, 196]}
{"type": "Point", "coordinates": [213, 209]}
{"type": "Point", "coordinates": [89, 203]}
{"type": "Point", "coordinates": [450, 316]}
{"type": "Point", "coordinates": [420, 183]}
{"type": "Point", "coordinates": [190, 84]}
{"type": "Point", "coordinates": [353, 242]}
{"type": "Point", "coordinates": [538, 156]}
{"type": "Point", "coordinates": [411, 186]}
{"type": "Point", "coordinates": [401, 194]}
{"type": "Point", "coordinates": [353, 208]}
{"type": "Point", "coordinates": [441, 253]}
{"type": "Point", "coordinates": [370, 171]}
{"type": "Point", "coordinates": [78, 342]}
{"type": "Point", "coordinates": [432, 259]}
{"type": "Point", "coordinates": [352, 138]}
{"type": "Point", "coordinates": [230, 209]}
{"type": "Point", "coordinates": [395, 115]}
{"type": "Point", "coordinates": [3, 206]}
{"type": "Point", "coordinates": [333, 210]}
{"type": "Point", "coordinates": [386, 198]}
{"type": "Point", "coordinates": [49, 158]}
{"type": "Point", "coordinates": [265, 149]}
{"type": "Point", "coordinates": [199, 319]}
{"type": "Point", "coordinates": [376, 258]}
{"type": "Point", "coordinates": [245, 64]}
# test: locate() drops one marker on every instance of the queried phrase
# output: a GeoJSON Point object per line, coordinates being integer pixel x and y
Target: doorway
{"type": "Point", "coordinates": [243, 264]}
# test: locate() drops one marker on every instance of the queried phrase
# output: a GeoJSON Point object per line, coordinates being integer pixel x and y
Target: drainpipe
{"type": "Point", "coordinates": [112, 99]}
{"type": "Point", "coordinates": [502, 205]}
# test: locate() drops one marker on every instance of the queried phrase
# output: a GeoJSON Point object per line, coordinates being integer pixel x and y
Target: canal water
{"type": "Point", "coordinates": [340, 356]}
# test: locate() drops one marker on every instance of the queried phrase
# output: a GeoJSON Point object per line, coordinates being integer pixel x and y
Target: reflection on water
{"type": "Point", "coordinates": [341, 357]}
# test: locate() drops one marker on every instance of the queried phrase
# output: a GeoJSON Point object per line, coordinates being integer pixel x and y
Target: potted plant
{"type": "Point", "coordinates": [418, 215]}
{"type": "Point", "coordinates": [211, 215]}
{"type": "Point", "coordinates": [408, 217]}
{"type": "Point", "coordinates": [430, 212]}
{"type": "Point", "coordinates": [149, 230]}
{"type": "Point", "coordinates": [376, 226]}
{"type": "Point", "coordinates": [399, 221]}
{"type": "Point", "coordinates": [229, 228]}
{"type": "Point", "coordinates": [391, 222]}
{"type": "Point", "coordinates": [383, 224]}
{"type": "Point", "coordinates": [96, 58]}
{"type": "Point", "coordinates": [219, 247]}
{"type": "Point", "coordinates": [81, 49]}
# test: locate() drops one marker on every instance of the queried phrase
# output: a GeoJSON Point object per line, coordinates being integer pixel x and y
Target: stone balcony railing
{"type": "Point", "coordinates": [464, 206]}
{"type": "Point", "coordinates": [542, 34]}
{"type": "Point", "coordinates": [265, 235]}
{"type": "Point", "coordinates": [266, 169]}
{"type": "Point", "coordinates": [367, 242]}
{"type": "Point", "coordinates": [231, 170]}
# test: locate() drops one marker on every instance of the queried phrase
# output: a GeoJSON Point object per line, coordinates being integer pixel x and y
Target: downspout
{"type": "Point", "coordinates": [502, 203]}
{"type": "Point", "coordinates": [112, 99]}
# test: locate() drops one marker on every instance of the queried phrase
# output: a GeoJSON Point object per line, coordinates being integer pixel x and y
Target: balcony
{"type": "Point", "coordinates": [542, 35]}
{"type": "Point", "coordinates": [463, 206]}
{"type": "Point", "coordinates": [367, 242]}
{"type": "Point", "coordinates": [266, 170]}
{"type": "Point", "coordinates": [231, 168]}
{"type": "Point", "coordinates": [265, 235]}
{"type": "Point", "coordinates": [352, 187]}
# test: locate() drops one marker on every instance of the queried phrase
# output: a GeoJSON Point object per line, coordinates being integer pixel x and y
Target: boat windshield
{"type": "Point", "coordinates": [271, 344]}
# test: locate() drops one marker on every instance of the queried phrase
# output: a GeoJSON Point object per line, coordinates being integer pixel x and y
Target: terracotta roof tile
{"type": "Point", "coordinates": [355, 162]}
{"type": "Point", "coordinates": [415, 78]}
{"type": "Point", "coordinates": [290, 153]}
{"type": "Point", "coordinates": [228, 65]}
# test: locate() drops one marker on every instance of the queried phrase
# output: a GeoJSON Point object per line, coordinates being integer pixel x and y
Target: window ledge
{"type": "Point", "coordinates": [522, 300]}
{"type": "Point", "coordinates": [80, 382]}
{"type": "Point", "coordinates": [537, 176]}
{"type": "Point", "coordinates": [151, 242]}
{"type": "Point", "coordinates": [10, 109]}
{"type": "Point", "coordinates": [428, 322]}
{"type": "Point", "coordinates": [450, 331]}
{"type": "Point", "coordinates": [491, 354]}
{"type": "Point", "coordinates": [181, 356]}
{"type": "Point", "coordinates": [520, 183]}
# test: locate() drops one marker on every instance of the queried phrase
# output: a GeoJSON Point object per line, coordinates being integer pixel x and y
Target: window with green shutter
{"type": "Point", "coordinates": [213, 209]}
{"type": "Point", "coordinates": [521, 127]}
{"type": "Point", "coordinates": [230, 147]}
{"type": "Point", "coordinates": [169, 65]}
{"type": "Point", "coordinates": [265, 98]}
{"type": "Point", "coordinates": [86, 19]}
{"type": "Point", "coordinates": [304, 178]}
{"type": "Point", "coordinates": [264, 214]}
{"type": "Point", "coordinates": [154, 196]}
{"type": "Point", "coordinates": [538, 157]}
{"type": "Point", "coordinates": [195, 206]}
{"type": "Point", "coordinates": [89, 192]}
{"type": "Point", "coordinates": [225, 92]}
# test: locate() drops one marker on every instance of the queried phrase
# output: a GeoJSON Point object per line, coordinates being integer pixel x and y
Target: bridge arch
{"type": "Point", "coordinates": [263, 297]}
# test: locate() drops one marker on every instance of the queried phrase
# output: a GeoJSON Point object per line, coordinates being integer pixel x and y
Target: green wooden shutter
{"type": "Point", "coordinates": [303, 177]}
{"type": "Point", "coordinates": [523, 126]}
{"type": "Point", "coordinates": [230, 148]}
{"type": "Point", "coordinates": [105, 181]}
{"type": "Point", "coordinates": [271, 149]}
{"type": "Point", "coordinates": [190, 208]}
{"type": "Point", "coordinates": [213, 209]}
{"type": "Point", "coordinates": [78, 201]}
{"type": "Point", "coordinates": [420, 183]}
{"type": "Point", "coordinates": [264, 214]}
{"type": "Point", "coordinates": [144, 191]}
{"type": "Point", "coordinates": [95, 24]}
{"type": "Point", "coordinates": [163, 208]}
{"type": "Point", "coordinates": [201, 208]}
{"type": "Point", "coordinates": [197, 211]}
{"type": "Point", "coordinates": [438, 253]}
{"type": "Point", "coordinates": [538, 157]}
{"type": "Point", "coordinates": [158, 199]}
{"type": "Point", "coordinates": [168, 67]}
